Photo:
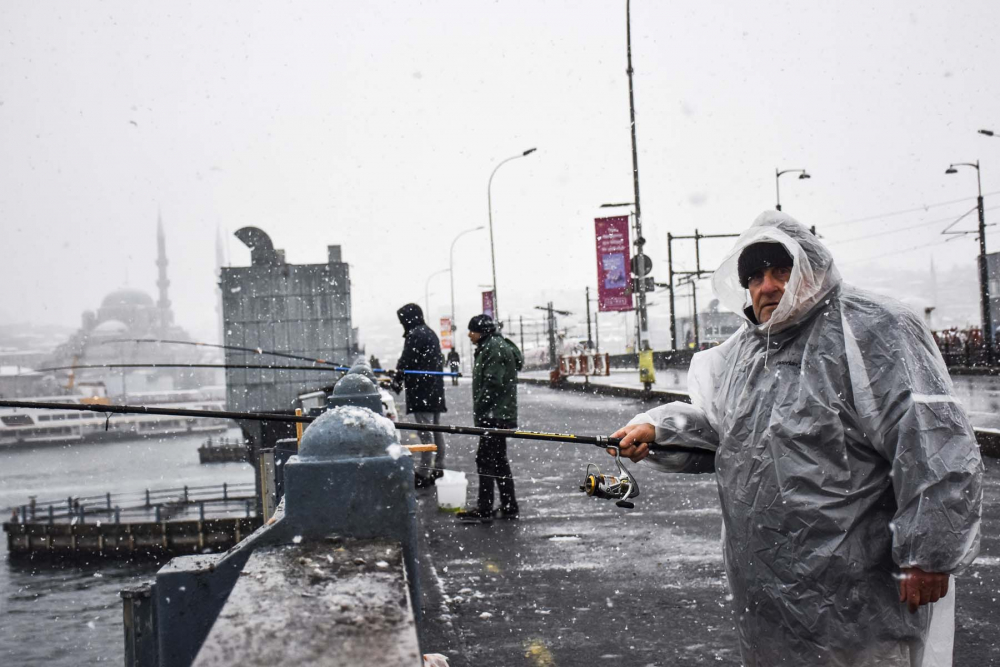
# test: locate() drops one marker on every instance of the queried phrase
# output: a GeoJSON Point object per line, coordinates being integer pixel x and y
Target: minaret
{"type": "Point", "coordinates": [166, 316]}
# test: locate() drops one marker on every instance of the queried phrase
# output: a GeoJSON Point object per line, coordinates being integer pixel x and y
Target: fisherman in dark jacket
{"type": "Point", "coordinates": [424, 393]}
{"type": "Point", "coordinates": [494, 397]}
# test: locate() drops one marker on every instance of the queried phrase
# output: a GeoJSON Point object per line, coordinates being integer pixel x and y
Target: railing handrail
{"type": "Point", "coordinates": [119, 498]}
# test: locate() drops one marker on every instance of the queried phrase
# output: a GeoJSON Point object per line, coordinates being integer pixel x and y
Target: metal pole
{"type": "Point", "coordinates": [670, 278]}
{"type": "Point", "coordinates": [597, 329]}
{"type": "Point", "coordinates": [590, 340]}
{"type": "Point", "coordinates": [522, 332]}
{"type": "Point", "coordinates": [451, 273]}
{"type": "Point", "coordinates": [694, 307]}
{"type": "Point", "coordinates": [642, 327]}
{"type": "Point", "coordinates": [984, 284]}
{"type": "Point", "coordinates": [489, 205]}
{"type": "Point", "coordinates": [777, 188]}
{"type": "Point", "coordinates": [552, 336]}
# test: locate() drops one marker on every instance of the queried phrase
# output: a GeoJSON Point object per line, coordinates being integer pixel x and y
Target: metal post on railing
{"type": "Point", "coordinates": [157, 514]}
{"type": "Point", "coordinates": [118, 514]}
{"type": "Point", "coordinates": [248, 509]}
{"type": "Point", "coordinates": [147, 497]}
{"type": "Point", "coordinates": [225, 491]}
{"type": "Point", "coordinates": [107, 496]}
{"type": "Point", "coordinates": [52, 514]}
{"type": "Point", "coordinates": [81, 514]}
{"type": "Point", "coordinates": [69, 505]}
{"type": "Point", "coordinates": [24, 514]}
{"type": "Point", "coordinates": [33, 504]}
{"type": "Point", "coordinates": [185, 494]}
{"type": "Point", "coordinates": [201, 511]}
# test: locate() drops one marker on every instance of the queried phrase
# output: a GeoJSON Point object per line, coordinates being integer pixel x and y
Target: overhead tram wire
{"type": "Point", "coordinates": [896, 252]}
{"type": "Point", "coordinates": [909, 210]}
{"type": "Point", "coordinates": [898, 230]}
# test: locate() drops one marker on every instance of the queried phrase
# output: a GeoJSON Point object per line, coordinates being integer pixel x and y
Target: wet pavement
{"type": "Point", "coordinates": [579, 581]}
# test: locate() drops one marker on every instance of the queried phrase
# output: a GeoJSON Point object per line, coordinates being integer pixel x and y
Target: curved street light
{"type": "Point", "coordinates": [984, 287]}
{"type": "Point", "coordinates": [489, 203]}
{"type": "Point", "coordinates": [803, 174]}
{"type": "Point", "coordinates": [451, 269]}
{"type": "Point", "coordinates": [427, 299]}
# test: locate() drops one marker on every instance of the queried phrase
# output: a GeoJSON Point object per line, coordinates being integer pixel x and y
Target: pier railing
{"type": "Point", "coordinates": [217, 499]}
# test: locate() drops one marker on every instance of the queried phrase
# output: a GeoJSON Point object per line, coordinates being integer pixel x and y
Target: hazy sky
{"type": "Point", "coordinates": [376, 125]}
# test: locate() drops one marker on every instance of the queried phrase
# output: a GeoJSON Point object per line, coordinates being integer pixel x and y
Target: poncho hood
{"type": "Point", "coordinates": [813, 277]}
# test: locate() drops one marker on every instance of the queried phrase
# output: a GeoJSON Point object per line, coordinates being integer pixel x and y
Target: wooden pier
{"type": "Point", "coordinates": [223, 450]}
{"type": "Point", "coordinates": [153, 523]}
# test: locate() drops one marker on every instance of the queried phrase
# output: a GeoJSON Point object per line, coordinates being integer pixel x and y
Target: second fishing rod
{"type": "Point", "coordinates": [620, 487]}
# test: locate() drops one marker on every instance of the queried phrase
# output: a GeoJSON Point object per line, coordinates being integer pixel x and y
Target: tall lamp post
{"type": "Point", "coordinates": [777, 182]}
{"type": "Point", "coordinates": [642, 326]}
{"type": "Point", "coordinates": [489, 203]}
{"type": "Point", "coordinates": [451, 270]}
{"type": "Point", "coordinates": [984, 287]}
{"type": "Point", "coordinates": [427, 298]}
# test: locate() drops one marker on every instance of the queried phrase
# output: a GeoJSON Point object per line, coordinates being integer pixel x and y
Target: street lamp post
{"type": "Point", "coordinates": [777, 184]}
{"type": "Point", "coordinates": [427, 298]}
{"type": "Point", "coordinates": [451, 271]}
{"type": "Point", "coordinates": [489, 204]}
{"type": "Point", "coordinates": [642, 325]}
{"type": "Point", "coordinates": [984, 287]}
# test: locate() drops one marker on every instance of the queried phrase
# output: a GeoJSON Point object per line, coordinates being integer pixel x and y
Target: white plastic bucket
{"type": "Point", "coordinates": [451, 488]}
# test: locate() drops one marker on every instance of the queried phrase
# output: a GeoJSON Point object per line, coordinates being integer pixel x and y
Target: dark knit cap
{"type": "Point", "coordinates": [482, 324]}
{"type": "Point", "coordinates": [758, 256]}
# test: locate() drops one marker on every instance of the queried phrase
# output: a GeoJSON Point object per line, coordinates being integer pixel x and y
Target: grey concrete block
{"type": "Point", "coordinates": [334, 603]}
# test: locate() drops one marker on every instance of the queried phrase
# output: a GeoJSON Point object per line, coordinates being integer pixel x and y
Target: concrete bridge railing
{"type": "Point", "coordinates": [330, 579]}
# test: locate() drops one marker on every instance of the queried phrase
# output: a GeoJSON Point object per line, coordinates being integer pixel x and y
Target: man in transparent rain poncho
{"type": "Point", "coordinates": [849, 475]}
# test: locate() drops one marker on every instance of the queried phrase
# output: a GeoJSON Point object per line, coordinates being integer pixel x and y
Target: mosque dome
{"type": "Point", "coordinates": [110, 328]}
{"type": "Point", "coordinates": [127, 297]}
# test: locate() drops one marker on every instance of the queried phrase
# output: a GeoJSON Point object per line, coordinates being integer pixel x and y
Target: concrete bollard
{"type": "Point", "coordinates": [350, 479]}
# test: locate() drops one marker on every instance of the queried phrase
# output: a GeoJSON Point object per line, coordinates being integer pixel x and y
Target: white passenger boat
{"type": "Point", "coordinates": [19, 426]}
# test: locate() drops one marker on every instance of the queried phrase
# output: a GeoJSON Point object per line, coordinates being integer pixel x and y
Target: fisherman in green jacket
{"type": "Point", "coordinates": [494, 396]}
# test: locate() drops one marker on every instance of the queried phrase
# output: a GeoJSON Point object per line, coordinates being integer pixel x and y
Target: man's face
{"type": "Point", "coordinates": [766, 287]}
{"type": "Point", "coordinates": [474, 336]}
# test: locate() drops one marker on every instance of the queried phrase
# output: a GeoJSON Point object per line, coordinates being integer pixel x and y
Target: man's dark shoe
{"type": "Point", "coordinates": [474, 516]}
{"type": "Point", "coordinates": [422, 481]}
{"type": "Point", "coordinates": [507, 514]}
{"type": "Point", "coordinates": [435, 475]}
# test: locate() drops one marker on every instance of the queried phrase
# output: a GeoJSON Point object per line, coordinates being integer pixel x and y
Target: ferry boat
{"type": "Point", "coordinates": [19, 426]}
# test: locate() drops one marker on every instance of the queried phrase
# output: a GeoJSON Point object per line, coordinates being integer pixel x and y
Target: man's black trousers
{"type": "Point", "coordinates": [493, 467]}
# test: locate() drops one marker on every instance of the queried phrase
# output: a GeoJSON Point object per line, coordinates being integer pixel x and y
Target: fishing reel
{"type": "Point", "coordinates": [618, 487]}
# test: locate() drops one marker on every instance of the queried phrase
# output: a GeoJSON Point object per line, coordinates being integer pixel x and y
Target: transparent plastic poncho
{"type": "Point", "coordinates": [841, 454]}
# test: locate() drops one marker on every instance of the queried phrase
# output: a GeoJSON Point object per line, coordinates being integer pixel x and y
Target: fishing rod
{"type": "Point", "coordinates": [620, 487]}
{"type": "Point", "coordinates": [251, 350]}
{"type": "Point", "coordinates": [257, 350]}
{"type": "Point", "coordinates": [338, 369]}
